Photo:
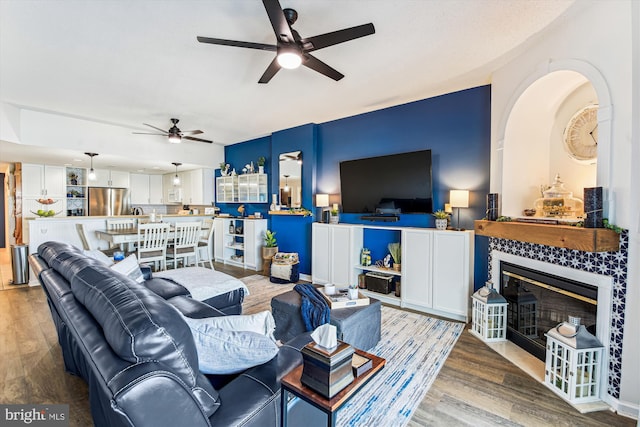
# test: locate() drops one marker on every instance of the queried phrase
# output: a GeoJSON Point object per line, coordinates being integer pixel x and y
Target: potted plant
{"type": "Point", "coordinates": [261, 162]}
{"type": "Point", "coordinates": [396, 254]}
{"type": "Point", "coordinates": [442, 219]}
{"type": "Point", "coordinates": [269, 249]}
{"type": "Point", "coordinates": [334, 218]}
{"type": "Point", "coordinates": [224, 168]}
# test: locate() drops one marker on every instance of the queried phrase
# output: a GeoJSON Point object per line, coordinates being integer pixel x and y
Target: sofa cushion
{"type": "Point", "coordinates": [130, 268]}
{"type": "Point", "coordinates": [140, 326]}
{"type": "Point", "coordinates": [223, 351]}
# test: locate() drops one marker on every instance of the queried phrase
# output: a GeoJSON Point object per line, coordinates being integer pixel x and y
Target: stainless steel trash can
{"type": "Point", "coordinates": [20, 264]}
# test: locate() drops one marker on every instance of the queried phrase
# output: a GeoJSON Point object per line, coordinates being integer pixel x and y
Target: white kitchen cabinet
{"type": "Point", "coordinates": [238, 241]}
{"type": "Point", "coordinates": [43, 180]}
{"type": "Point", "coordinates": [145, 189]}
{"type": "Point", "coordinates": [198, 187]}
{"type": "Point", "coordinates": [110, 178]}
{"type": "Point", "coordinates": [139, 190]}
{"type": "Point", "coordinates": [252, 188]}
{"type": "Point", "coordinates": [334, 254]}
{"type": "Point", "coordinates": [195, 188]}
{"type": "Point", "coordinates": [227, 189]}
{"type": "Point", "coordinates": [155, 190]}
{"type": "Point", "coordinates": [437, 266]}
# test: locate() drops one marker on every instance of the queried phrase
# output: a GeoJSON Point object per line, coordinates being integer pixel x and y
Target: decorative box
{"type": "Point", "coordinates": [379, 282]}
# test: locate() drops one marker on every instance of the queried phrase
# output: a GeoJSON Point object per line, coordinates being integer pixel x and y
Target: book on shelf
{"type": "Point", "coordinates": [360, 364]}
{"type": "Point", "coordinates": [324, 376]}
{"type": "Point", "coordinates": [328, 357]}
{"type": "Point", "coordinates": [328, 390]}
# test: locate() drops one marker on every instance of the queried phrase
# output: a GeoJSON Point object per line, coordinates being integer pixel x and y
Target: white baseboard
{"type": "Point", "coordinates": [626, 409]}
{"type": "Point", "coordinates": [306, 277]}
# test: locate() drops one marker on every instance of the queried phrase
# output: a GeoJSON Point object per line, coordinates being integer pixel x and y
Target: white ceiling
{"type": "Point", "coordinates": [129, 62]}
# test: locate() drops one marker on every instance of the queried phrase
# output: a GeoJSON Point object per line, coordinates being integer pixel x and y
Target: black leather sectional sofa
{"type": "Point", "coordinates": [137, 354]}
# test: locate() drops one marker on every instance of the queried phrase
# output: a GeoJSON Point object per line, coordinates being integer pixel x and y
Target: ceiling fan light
{"type": "Point", "coordinates": [289, 60]}
{"type": "Point", "coordinates": [175, 139]}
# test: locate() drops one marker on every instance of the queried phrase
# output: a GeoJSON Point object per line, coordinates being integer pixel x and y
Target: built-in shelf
{"type": "Point", "coordinates": [378, 269]}
{"type": "Point", "coordinates": [390, 298]}
{"type": "Point", "coordinates": [562, 236]}
{"type": "Point", "coordinates": [287, 212]}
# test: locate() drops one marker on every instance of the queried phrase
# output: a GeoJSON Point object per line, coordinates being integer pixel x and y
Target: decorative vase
{"type": "Point", "coordinates": [334, 219]}
{"type": "Point", "coordinates": [260, 169]}
{"type": "Point", "coordinates": [396, 266]}
{"type": "Point", "coordinates": [274, 202]}
{"type": "Point", "coordinates": [441, 224]}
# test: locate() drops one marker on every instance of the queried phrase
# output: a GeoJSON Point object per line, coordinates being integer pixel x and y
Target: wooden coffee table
{"type": "Point", "coordinates": [291, 384]}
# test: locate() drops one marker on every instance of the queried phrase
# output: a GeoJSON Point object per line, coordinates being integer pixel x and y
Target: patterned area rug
{"type": "Point", "coordinates": [415, 347]}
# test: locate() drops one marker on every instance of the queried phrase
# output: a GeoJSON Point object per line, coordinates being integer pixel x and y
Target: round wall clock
{"type": "Point", "coordinates": [581, 134]}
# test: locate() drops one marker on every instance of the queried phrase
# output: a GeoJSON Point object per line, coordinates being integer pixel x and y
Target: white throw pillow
{"type": "Point", "coordinates": [248, 343]}
{"type": "Point", "coordinates": [100, 256]}
{"type": "Point", "coordinates": [129, 267]}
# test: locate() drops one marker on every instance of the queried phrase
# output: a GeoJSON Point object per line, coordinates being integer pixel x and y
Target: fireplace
{"type": "Point", "coordinates": [539, 301]}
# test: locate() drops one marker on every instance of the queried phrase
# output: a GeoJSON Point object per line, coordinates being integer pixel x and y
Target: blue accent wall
{"type": "Point", "coordinates": [455, 127]}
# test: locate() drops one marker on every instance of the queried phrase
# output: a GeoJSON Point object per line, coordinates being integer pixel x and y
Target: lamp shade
{"type": "Point", "coordinates": [322, 200]}
{"type": "Point", "coordinates": [459, 198]}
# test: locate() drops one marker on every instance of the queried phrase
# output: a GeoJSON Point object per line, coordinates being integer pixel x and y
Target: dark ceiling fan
{"type": "Point", "coordinates": [292, 50]}
{"type": "Point", "coordinates": [175, 135]}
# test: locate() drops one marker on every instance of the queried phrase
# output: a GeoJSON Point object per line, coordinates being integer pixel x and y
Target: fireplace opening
{"type": "Point", "coordinates": [538, 301]}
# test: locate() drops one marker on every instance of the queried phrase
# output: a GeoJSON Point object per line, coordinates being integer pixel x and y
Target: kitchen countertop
{"type": "Point", "coordinates": [118, 216]}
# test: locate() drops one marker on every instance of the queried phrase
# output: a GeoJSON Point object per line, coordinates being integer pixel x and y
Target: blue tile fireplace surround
{"type": "Point", "coordinates": [612, 264]}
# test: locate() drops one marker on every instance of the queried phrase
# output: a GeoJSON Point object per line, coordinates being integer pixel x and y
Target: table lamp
{"type": "Point", "coordinates": [322, 202]}
{"type": "Point", "coordinates": [459, 199]}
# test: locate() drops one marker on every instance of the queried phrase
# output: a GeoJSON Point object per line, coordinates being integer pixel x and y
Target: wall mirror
{"type": "Point", "coordinates": [290, 165]}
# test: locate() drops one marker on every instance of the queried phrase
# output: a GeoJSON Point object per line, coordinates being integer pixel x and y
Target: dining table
{"type": "Point", "coordinates": [129, 235]}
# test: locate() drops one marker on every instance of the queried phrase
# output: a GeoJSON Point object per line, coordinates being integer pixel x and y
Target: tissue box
{"type": "Point", "coordinates": [327, 372]}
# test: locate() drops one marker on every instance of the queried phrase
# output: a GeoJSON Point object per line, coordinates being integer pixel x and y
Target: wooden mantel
{"type": "Point", "coordinates": [562, 236]}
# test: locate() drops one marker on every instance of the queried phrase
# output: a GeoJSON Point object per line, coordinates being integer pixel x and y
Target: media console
{"type": "Point", "coordinates": [437, 265]}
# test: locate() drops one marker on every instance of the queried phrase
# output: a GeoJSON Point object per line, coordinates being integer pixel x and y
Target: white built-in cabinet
{"type": "Point", "coordinates": [437, 266]}
{"type": "Point", "coordinates": [334, 253]}
{"type": "Point", "coordinates": [110, 178]}
{"type": "Point", "coordinates": [246, 188]}
{"type": "Point", "coordinates": [239, 241]}
{"type": "Point", "coordinates": [146, 189]}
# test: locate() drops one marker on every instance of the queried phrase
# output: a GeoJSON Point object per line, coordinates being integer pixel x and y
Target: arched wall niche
{"type": "Point", "coordinates": [530, 146]}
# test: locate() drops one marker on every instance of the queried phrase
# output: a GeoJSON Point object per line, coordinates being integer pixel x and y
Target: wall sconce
{"type": "Point", "coordinates": [176, 179]}
{"type": "Point", "coordinates": [322, 202]}
{"type": "Point", "coordinates": [92, 173]}
{"type": "Point", "coordinates": [459, 199]}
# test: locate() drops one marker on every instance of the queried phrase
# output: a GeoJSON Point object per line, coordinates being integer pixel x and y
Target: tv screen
{"type": "Point", "coordinates": [397, 183]}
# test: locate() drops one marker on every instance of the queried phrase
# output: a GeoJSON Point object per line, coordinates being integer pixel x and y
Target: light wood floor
{"type": "Point", "coordinates": [476, 386]}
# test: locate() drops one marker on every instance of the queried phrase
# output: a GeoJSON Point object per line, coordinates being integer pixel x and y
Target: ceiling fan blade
{"type": "Point", "coordinates": [149, 133]}
{"type": "Point", "coordinates": [329, 39]}
{"type": "Point", "coordinates": [319, 66]}
{"type": "Point", "coordinates": [236, 43]}
{"type": "Point", "coordinates": [156, 128]}
{"type": "Point", "coordinates": [191, 132]}
{"type": "Point", "coordinates": [271, 71]}
{"type": "Point", "coordinates": [197, 139]}
{"type": "Point", "coordinates": [278, 21]}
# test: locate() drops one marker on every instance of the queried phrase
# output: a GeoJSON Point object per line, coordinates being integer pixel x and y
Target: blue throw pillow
{"type": "Point", "coordinates": [223, 351]}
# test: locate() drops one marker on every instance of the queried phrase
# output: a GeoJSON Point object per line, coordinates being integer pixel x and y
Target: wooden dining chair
{"type": "Point", "coordinates": [205, 244]}
{"type": "Point", "coordinates": [122, 224]}
{"type": "Point", "coordinates": [185, 243]}
{"type": "Point", "coordinates": [85, 241]}
{"type": "Point", "coordinates": [152, 243]}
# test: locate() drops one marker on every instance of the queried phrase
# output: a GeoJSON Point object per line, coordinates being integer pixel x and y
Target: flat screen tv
{"type": "Point", "coordinates": [393, 184]}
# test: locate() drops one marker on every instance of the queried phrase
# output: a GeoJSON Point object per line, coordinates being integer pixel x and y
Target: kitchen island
{"type": "Point", "coordinates": [63, 229]}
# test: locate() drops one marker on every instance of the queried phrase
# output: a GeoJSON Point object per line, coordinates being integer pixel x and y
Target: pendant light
{"type": "Point", "coordinates": [92, 173]}
{"type": "Point", "coordinates": [176, 179]}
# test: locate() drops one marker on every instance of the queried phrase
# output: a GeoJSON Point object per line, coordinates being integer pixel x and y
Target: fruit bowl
{"type": "Point", "coordinates": [45, 214]}
{"type": "Point", "coordinates": [46, 201]}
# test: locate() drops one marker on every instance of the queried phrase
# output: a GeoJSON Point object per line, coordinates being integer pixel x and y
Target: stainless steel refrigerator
{"type": "Point", "coordinates": [105, 201]}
